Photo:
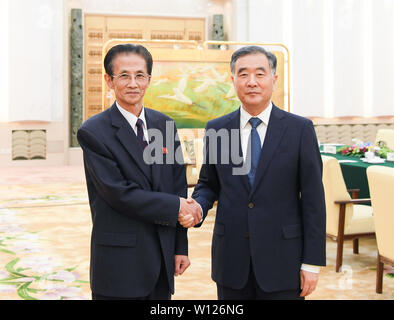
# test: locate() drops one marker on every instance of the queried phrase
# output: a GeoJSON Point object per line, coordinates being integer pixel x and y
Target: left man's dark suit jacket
{"type": "Point", "coordinates": [279, 223]}
{"type": "Point", "coordinates": [134, 206]}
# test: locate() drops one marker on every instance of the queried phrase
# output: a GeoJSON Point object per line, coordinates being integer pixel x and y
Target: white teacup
{"type": "Point", "coordinates": [369, 155]}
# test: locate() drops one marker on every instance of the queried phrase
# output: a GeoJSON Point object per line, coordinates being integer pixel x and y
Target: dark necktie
{"type": "Point", "coordinates": [140, 134]}
{"type": "Point", "coordinates": [255, 149]}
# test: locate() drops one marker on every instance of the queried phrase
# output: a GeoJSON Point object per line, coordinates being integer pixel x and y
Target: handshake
{"type": "Point", "coordinates": [190, 213]}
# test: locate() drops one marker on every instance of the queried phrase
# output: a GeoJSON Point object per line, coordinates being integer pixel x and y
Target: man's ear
{"type": "Point", "coordinates": [108, 80]}
{"type": "Point", "coordinates": [275, 78]}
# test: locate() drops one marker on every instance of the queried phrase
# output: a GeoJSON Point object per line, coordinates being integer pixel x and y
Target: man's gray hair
{"type": "Point", "coordinates": [253, 50]}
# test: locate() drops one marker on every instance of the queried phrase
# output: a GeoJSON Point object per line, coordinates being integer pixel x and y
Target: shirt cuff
{"type": "Point", "coordinates": [202, 214]}
{"type": "Point", "coordinates": [310, 268]}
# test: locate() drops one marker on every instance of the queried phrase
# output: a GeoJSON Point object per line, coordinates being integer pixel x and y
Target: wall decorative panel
{"type": "Point", "coordinates": [218, 31]}
{"type": "Point", "coordinates": [96, 34]}
{"type": "Point", "coordinates": [28, 144]}
{"type": "Point", "coordinates": [76, 91]}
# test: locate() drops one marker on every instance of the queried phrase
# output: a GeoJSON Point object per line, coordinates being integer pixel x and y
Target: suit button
{"type": "Point", "coordinates": [251, 205]}
{"type": "Point", "coordinates": [247, 234]}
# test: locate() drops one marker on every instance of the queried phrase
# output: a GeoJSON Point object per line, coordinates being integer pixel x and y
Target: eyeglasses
{"type": "Point", "coordinates": [126, 78]}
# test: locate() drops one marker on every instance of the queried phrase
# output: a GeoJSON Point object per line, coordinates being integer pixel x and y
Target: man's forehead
{"type": "Point", "coordinates": [253, 60]}
{"type": "Point", "coordinates": [130, 61]}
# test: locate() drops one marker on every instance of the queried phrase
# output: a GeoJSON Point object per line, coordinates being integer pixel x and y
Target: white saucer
{"type": "Point", "coordinates": [374, 160]}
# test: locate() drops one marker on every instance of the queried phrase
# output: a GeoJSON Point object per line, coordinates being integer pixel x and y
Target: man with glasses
{"type": "Point", "coordinates": [137, 243]}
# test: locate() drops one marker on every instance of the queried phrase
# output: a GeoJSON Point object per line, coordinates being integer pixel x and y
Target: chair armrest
{"type": "Point", "coordinates": [342, 213]}
{"type": "Point", "coordinates": [353, 201]}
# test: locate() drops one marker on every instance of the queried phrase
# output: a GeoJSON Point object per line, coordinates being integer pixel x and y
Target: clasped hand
{"type": "Point", "coordinates": [190, 213]}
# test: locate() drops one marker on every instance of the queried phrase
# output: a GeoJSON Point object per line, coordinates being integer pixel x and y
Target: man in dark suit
{"type": "Point", "coordinates": [269, 233]}
{"type": "Point", "coordinates": [137, 243]}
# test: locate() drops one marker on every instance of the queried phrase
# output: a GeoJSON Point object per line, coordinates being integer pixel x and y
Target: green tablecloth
{"type": "Point", "coordinates": [355, 174]}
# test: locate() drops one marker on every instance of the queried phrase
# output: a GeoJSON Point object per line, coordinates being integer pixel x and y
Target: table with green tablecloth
{"type": "Point", "coordinates": [355, 173]}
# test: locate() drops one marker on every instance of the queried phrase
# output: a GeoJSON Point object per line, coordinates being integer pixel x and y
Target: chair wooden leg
{"type": "Point", "coordinates": [341, 230]}
{"type": "Point", "coordinates": [339, 253]}
{"type": "Point", "coordinates": [355, 246]}
{"type": "Point", "coordinates": [379, 275]}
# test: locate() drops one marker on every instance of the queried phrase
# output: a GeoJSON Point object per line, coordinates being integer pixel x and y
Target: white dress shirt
{"type": "Point", "coordinates": [246, 128]}
{"type": "Point", "coordinates": [132, 120]}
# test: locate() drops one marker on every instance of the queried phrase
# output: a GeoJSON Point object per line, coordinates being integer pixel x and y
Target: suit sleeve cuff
{"type": "Point", "coordinates": [310, 268]}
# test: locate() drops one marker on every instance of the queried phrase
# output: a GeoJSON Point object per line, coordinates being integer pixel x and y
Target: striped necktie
{"type": "Point", "coordinates": [140, 134]}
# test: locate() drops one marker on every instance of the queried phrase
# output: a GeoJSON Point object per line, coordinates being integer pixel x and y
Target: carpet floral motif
{"type": "Point", "coordinates": [26, 270]}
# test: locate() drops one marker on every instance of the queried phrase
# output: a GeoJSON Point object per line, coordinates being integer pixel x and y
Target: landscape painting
{"type": "Point", "coordinates": [192, 93]}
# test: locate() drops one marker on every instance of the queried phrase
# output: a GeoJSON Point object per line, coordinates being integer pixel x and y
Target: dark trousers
{"type": "Point", "coordinates": [161, 291]}
{"type": "Point", "coordinates": [252, 291]}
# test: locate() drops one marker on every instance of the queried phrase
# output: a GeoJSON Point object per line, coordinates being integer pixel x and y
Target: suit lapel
{"type": "Point", "coordinates": [152, 123]}
{"type": "Point", "coordinates": [276, 129]}
{"type": "Point", "coordinates": [234, 123]}
{"type": "Point", "coordinates": [128, 139]}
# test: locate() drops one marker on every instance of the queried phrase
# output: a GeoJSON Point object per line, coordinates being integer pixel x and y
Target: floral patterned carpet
{"type": "Point", "coordinates": [45, 227]}
{"type": "Point", "coordinates": [44, 244]}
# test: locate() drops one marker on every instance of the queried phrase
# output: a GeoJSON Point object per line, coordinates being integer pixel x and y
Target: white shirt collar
{"type": "Point", "coordinates": [132, 118]}
{"type": "Point", "coordinates": [263, 116]}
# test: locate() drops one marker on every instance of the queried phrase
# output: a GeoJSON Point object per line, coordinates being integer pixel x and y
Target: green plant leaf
{"type": "Point", "coordinates": [34, 290]}
{"type": "Point", "coordinates": [390, 275]}
{"type": "Point", "coordinates": [8, 283]}
{"type": "Point", "coordinates": [7, 251]}
{"type": "Point", "coordinates": [54, 280]}
{"type": "Point", "coordinates": [22, 292]}
{"type": "Point", "coordinates": [71, 269]}
{"type": "Point", "coordinates": [11, 277]}
{"type": "Point", "coordinates": [10, 265]}
{"type": "Point", "coordinates": [10, 268]}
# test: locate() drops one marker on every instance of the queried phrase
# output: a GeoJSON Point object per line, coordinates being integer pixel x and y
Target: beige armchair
{"type": "Point", "coordinates": [347, 218]}
{"type": "Point", "coordinates": [386, 135]}
{"type": "Point", "coordinates": [381, 187]}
